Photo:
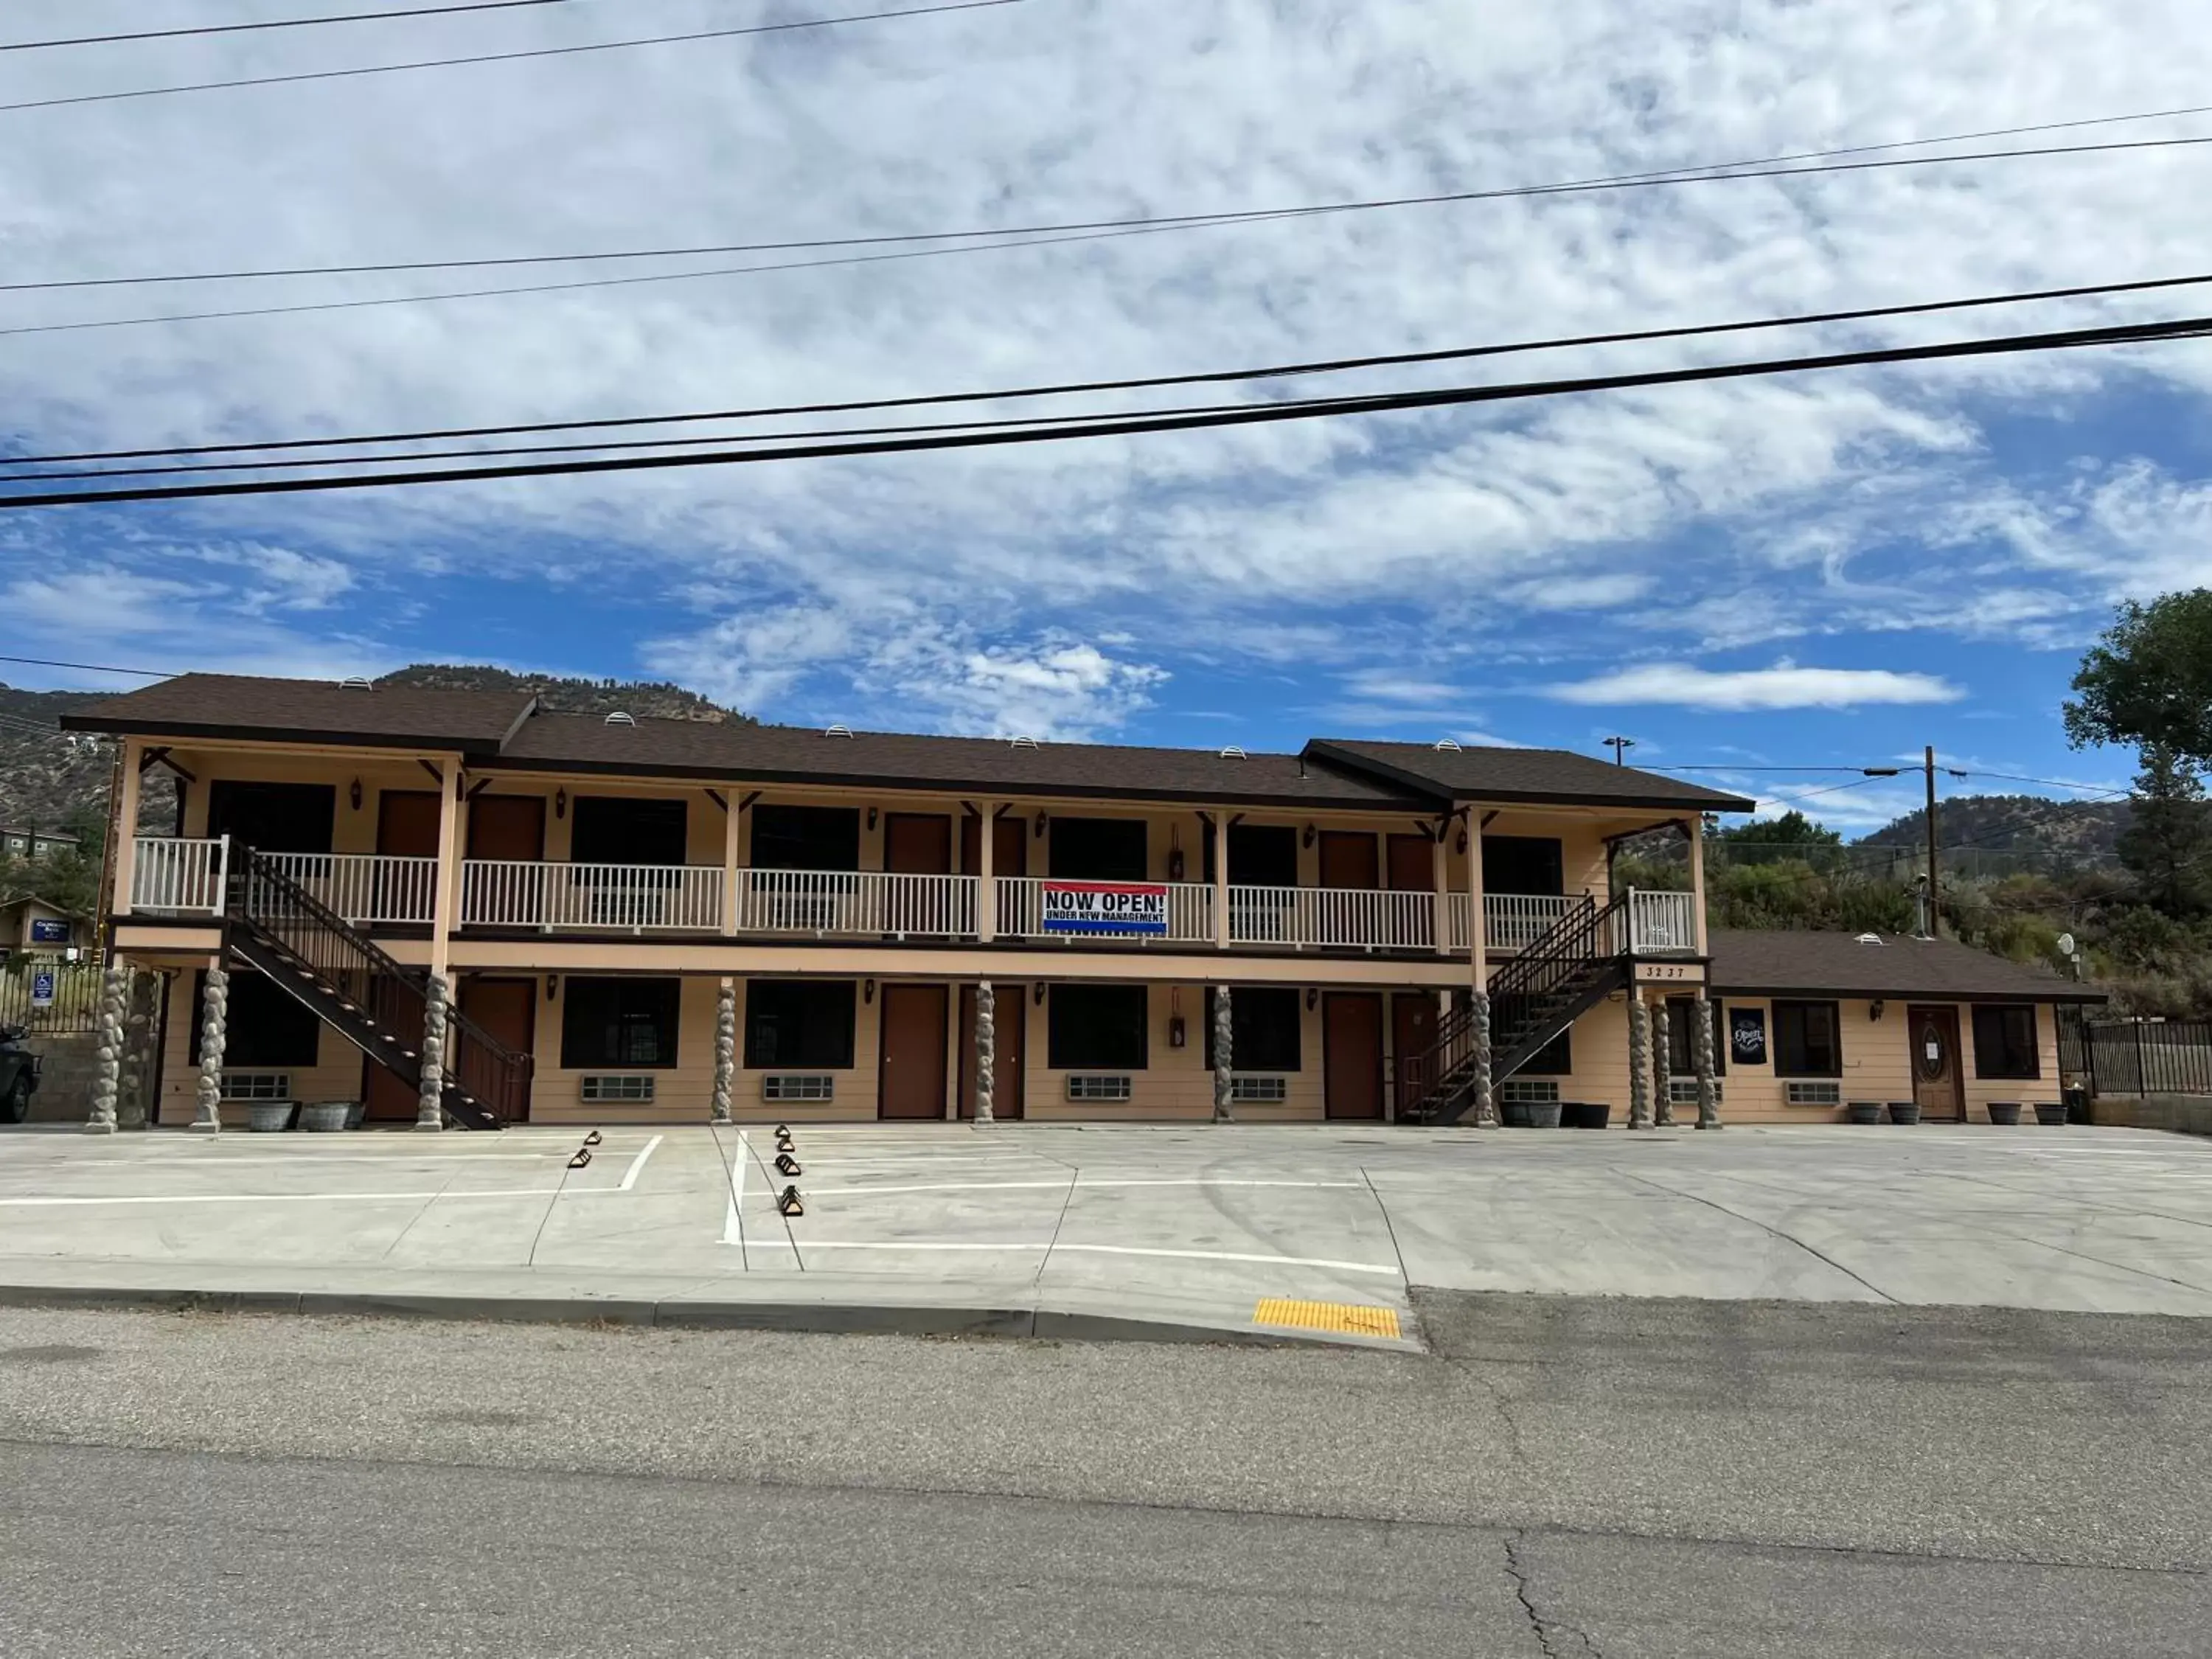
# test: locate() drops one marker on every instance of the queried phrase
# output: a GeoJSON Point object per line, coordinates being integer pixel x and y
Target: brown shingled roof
{"type": "Point", "coordinates": [793, 754]}
{"type": "Point", "coordinates": [310, 711]}
{"type": "Point", "coordinates": [1747, 963]}
{"type": "Point", "coordinates": [1545, 776]}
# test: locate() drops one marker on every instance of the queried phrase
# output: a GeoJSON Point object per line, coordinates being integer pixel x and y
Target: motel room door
{"type": "Point", "coordinates": [1939, 1082]}
{"type": "Point", "coordinates": [1352, 1054]}
{"type": "Point", "coordinates": [1008, 1030]}
{"type": "Point", "coordinates": [1413, 1034]}
{"type": "Point", "coordinates": [910, 1067]}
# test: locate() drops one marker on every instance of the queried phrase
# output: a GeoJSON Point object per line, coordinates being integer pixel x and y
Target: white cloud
{"type": "Point", "coordinates": [1782, 686]}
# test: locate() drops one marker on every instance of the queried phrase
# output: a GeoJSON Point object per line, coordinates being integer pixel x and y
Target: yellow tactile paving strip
{"type": "Point", "coordinates": [1339, 1318]}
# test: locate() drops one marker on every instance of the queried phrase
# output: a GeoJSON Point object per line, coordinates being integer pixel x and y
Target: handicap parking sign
{"type": "Point", "coordinates": [42, 988]}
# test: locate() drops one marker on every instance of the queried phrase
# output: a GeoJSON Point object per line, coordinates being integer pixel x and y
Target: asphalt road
{"type": "Point", "coordinates": [1564, 1477]}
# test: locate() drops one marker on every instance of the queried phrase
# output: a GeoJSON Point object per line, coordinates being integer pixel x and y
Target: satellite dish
{"type": "Point", "coordinates": [2066, 945]}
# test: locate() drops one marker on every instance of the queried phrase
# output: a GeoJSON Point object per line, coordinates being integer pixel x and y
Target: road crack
{"type": "Point", "coordinates": [1544, 1630]}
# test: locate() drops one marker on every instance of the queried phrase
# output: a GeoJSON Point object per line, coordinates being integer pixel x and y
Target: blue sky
{"type": "Point", "coordinates": [1831, 569]}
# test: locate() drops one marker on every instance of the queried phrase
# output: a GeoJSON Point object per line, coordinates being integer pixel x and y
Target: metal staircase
{"type": "Point", "coordinates": [1542, 991]}
{"type": "Point", "coordinates": [370, 999]}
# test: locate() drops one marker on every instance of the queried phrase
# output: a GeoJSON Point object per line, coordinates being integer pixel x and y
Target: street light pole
{"type": "Point", "coordinates": [1935, 888]}
{"type": "Point", "coordinates": [1620, 746]}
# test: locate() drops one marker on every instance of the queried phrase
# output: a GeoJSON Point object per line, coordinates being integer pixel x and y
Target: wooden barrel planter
{"type": "Point", "coordinates": [1866, 1111]}
{"type": "Point", "coordinates": [1905, 1111]}
{"type": "Point", "coordinates": [2004, 1113]}
{"type": "Point", "coordinates": [2050, 1113]}
{"type": "Point", "coordinates": [1542, 1113]}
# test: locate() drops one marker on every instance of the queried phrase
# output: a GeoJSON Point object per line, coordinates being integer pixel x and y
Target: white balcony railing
{"type": "Point", "coordinates": [1511, 921]}
{"type": "Point", "coordinates": [1354, 918]}
{"type": "Point", "coordinates": [365, 889]}
{"type": "Point", "coordinates": [1186, 913]}
{"type": "Point", "coordinates": [1662, 924]}
{"type": "Point", "coordinates": [860, 903]}
{"type": "Point", "coordinates": [179, 877]}
{"type": "Point", "coordinates": [632, 898]}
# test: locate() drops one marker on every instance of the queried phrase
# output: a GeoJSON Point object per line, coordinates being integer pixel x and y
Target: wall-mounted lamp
{"type": "Point", "coordinates": [1040, 829]}
{"type": "Point", "coordinates": [1175, 855]}
{"type": "Point", "coordinates": [1178, 1034]}
{"type": "Point", "coordinates": [871, 817]}
{"type": "Point", "coordinates": [552, 987]}
{"type": "Point", "coordinates": [1873, 1009]}
{"type": "Point", "coordinates": [1307, 840]}
{"type": "Point", "coordinates": [1313, 997]}
{"type": "Point", "coordinates": [1462, 838]}
{"type": "Point", "coordinates": [1040, 993]}
{"type": "Point", "coordinates": [560, 803]}
{"type": "Point", "coordinates": [353, 794]}
{"type": "Point", "coordinates": [868, 990]}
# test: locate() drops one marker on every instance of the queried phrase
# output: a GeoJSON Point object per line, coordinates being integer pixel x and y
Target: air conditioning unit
{"type": "Point", "coordinates": [627, 1089]}
{"type": "Point", "coordinates": [798, 1085]}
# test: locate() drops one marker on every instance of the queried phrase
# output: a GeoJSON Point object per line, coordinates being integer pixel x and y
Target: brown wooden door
{"type": "Point", "coordinates": [407, 823]}
{"type": "Point", "coordinates": [506, 1009]}
{"type": "Point", "coordinates": [1939, 1082]}
{"type": "Point", "coordinates": [389, 1101]}
{"type": "Point", "coordinates": [1413, 866]}
{"type": "Point", "coordinates": [1348, 860]}
{"type": "Point", "coordinates": [507, 827]}
{"type": "Point", "coordinates": [1413, 1034]}
{"type": "Point", "coordinates": [917, 844]}
{"type": "Point", "coordinates": [1010, 846]}
{"type": "Point", "coordinates": [1351, 1049]}
{"type": "Point", "coordinates": [910, 1079]}
{"type": "Point", "coordinates": [1009, 1026]}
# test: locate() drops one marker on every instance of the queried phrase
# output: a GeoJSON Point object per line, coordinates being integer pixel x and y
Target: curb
{"type": "Point", "coordinates": [687, 1313]}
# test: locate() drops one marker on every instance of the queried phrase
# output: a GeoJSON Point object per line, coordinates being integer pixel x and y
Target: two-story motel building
{"type": "Point", "coordinates": [649, 919]}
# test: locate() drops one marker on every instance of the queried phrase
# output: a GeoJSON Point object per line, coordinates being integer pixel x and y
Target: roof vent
{"type": "Point", "coordinates": [1232, 752]}
{"type": "Point", "coordinates": [838, 731]}
{"type": "Point", "coordinates": [356, 683]}
{"type": "Point", "coordinates": [1021, 743]}
{"type": "Point", "coordinates": [1445, 745]}
{"type": "Point", "coordinates": [1870, 939]}
{"type": "Point", "coordinates": [619, 718]}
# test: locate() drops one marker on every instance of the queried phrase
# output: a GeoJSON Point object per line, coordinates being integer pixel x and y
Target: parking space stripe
{"type": "Point", "coordinates": [1043, 1246]}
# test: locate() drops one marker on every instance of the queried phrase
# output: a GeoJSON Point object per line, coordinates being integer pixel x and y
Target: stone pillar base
{"type": "Point", "coordinates": [100, 1129]}
{"type": "Point", "coordinates": [205, 1128]}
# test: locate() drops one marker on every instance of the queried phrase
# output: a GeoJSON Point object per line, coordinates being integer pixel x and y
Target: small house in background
{"type": "Point", "coordinates": [29, 923]}
{"type": "Point", "coordinates": [27, 843]}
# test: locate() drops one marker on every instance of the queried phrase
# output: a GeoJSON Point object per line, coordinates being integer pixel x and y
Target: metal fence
{"type": "Point", "coordinates": [49, 998]}
{"type": "Point", "coordinates": [2138, 1057]}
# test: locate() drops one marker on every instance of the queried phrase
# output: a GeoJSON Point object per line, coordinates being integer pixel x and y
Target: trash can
{"type": "Point", "coordinates": [2077, 1104]}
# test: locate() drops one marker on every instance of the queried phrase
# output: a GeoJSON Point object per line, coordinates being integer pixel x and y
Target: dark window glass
{"type": "Point", "coordinates": [806, 837]}
{"type": "Point", "coordinates": [1681, 1040]}
{"type": "Point", "coordinates": [1263, 1026]}
{"type": "Point", "coordinates": [1555, 1058]}
{"type": "Point", "coordinates": [272, 817]}
{"type": "Point", "coordinates": [1260, 855]}
{"type": "Point", "coordinates": [1099, 849]}
{"type": "Point", "coordinates": [629, 1023]}
{"type": "Point", "coordinates": [1522, 864]}
{"type": "Point", "coordinates": [264, 1029]}
{"type": "Point", "coordinates": [799, 1024]}
{"type": "Point", "coordinates": [1098, 1028]}
{"type": "Point", "coordinates": [1808, 1040]}
{"type": "Point", "coordinates": [611, 829]}
{"type": "Point", "coordinates": [2004, 1042]}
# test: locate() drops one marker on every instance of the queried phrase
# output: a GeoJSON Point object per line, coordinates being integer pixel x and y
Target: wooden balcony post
{"type": "Point", "coordinates": [1221, 929]}
{"type": "Point", "coordinates": [732, 822]}
{"type": "Point", "coordinates": [1440, 870]}
{"type": "Point", "coordinates": [125, 860]}
{"type": "Point", "coordinates": [987, 899]}
{"type": "Point", "coordinates": [447, 892]}
{"type": "Point", "coordinates": [1695, 830]}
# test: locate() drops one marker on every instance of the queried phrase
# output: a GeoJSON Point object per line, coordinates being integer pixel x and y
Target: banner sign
{"type": "Point", "coordinates": [50, 930]}
{"type": "Point", "coordinates": [1747, 1036]}
{"type": "Point", "coordinates": [1105, 907]}
{"type": "Point", "coordinates": [42, 988]}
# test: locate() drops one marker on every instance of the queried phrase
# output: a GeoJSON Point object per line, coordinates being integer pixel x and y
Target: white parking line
{"type": "Point", "coordinates": [1081, 1185]}
{"type": "Point", "coordinates": [733, 1221]}
{"type": "Point", "coordinates": [304, 1198]}
{"type": "Point", "coordinates": [157, 1161]}
{"type": "Point", "coordinates": [637, 1163]}
{"type": "Point", "coordinates": [1043, 1245]}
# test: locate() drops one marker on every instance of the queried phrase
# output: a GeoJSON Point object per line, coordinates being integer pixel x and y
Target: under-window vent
{"type": "Point", "coordinates": [619, 718]}
{"type": "Point", "coordinates": [1814, 1094]}
{"type": "Point", "coordinates": [1098, 1088]}
{"type": "Point", "coordinates": [799, 1085]}
{"type": "Point", "coordinates": [257, 1085]}
{"type": "Point", "coordinates": [1021, 743]}
{"type": "Point", "coordinates": [1870, 939]}
{"type": "Point", "coordinates": [1446, 746]}
{"type": "Point", "coordinates": [838, 731]}
{"type": "Point", "coordinates": [611, 1088]}
{"type": "Point", "coordinates": [356, 683]}
{"type": "Point", "coordinates": [1232, 752]}
{"type": "Point", "coordinates": [1529, 1092]}
{"type": "Point", "coordinates": [1259, 1090]}
{"type": "Point", "coordinates": [1683, 1090]}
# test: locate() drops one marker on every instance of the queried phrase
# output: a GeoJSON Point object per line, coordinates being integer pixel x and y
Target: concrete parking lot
{"type": "Point", "coordinates": [1159, 1222]}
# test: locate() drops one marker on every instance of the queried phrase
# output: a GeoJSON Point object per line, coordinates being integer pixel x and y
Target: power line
{"type": "Point", "coordinates": [507, 57]}
{"type": "Point", "coordinates": [95, 667]}
{"type": "Point", "coordinates": [2052, 783]}
{"type": "Point", "coordinates": [1214, 377]}
{"type": "Point", "coordinates": [277, 23]}
{"type": "Point", "coordinates": [1032, 237]}
{"type": "Point", "coordinates": [1691, 174]}
{"type": "Point", "coordinates": [1160, 421]}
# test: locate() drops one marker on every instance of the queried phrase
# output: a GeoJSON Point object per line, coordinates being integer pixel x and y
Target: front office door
{"type": "Point", "coordinates": [1938, 1080]}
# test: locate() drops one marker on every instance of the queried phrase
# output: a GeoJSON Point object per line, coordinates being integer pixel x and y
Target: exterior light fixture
{"type": "Point", "coordinates": [1175, 858]}
{"type": "Point", "coordinates": [552, 985]}
{"type": "Point", "coordinates": [871, 817]}
{"type": "Point", "coordinates": [353, 794]}
{"type": "Point", "coordinates": [1307, 840]}
{"type": "Point", "coordinates": [868, 990]}
{"type": "Point", "coordinates": [1873, 1009]}
{"type": "Point", "coordinates": [1313, 997]}
{"type": "Point", "coordinates": [1040, 823]}
{"type": "Point", "coordinates": [560, 803]}
{"type": "Point", "coordinates": [1462, 838]}
{"type": "Point", "coordinates": [1178, 1034]}
{"type": "Point", "coordinates": [1040, 993]}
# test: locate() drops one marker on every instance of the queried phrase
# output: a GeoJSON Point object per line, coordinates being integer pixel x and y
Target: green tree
{"type": "Point", "coordinates": [2147, 682]}
{"type": "Point", "coordinates": [2167, 841]}
{"type": "Point", "coordinates": [1792, 829]}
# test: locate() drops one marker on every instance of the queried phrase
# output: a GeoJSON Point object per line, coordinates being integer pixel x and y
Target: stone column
{"type": "Point", "coordinates": [1709, 1101]}
{"type": "Point", "coordinates": [430, 1113]}
{"type": "Point", "coordinates": [114, 994]}
{"type": "Point", "coordinates": [215, 1015]}
{"type": "Point", "coordinates": [141, 1034]}
{"type": "Point", "coordinates": [1662, 1065]}
{"type": "Point", "coordinates": [1225, 1055]}
{"type": "Point", "coordinates": [1478, 1037]}
{"type": "Point", "coordinates": [987, 1050]}
{"type": "Point", "coordinates": [1639, 1060]}
{"type": "Point", "coordinates": [725, 1048]}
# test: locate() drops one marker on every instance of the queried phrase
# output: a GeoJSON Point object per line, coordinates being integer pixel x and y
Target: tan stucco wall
{"type": "Point", "coordinates": [336, 1074]}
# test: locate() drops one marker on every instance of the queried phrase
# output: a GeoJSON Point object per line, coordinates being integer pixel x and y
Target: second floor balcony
{"type": "Point", "coordinates": [183, 877]}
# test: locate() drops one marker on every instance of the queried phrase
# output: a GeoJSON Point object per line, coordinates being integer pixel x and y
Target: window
{"type": "Point", "coordinates": [272, 817]}
{"type": "Point", "coordinates": [1555, 1058]}
{"type": "Point", "coordinates": [806, 837]}
{"type": "Point", "coordinates": [265, 1028]}
{"type": "Point", "coordinates": [2004, 1042]}
{"type": "Point", "coordinates": [1522, 864]}
{"type": "Point", "coordinates": [616, 1024]}
{"type": "Point", "coordinates": [799, 1024]}
{"type": "Point", "coordinates": [1263, 1027]}
{"type": "Point", "coordinates": [1682, 1040]}
{"type": "Point", "coordinates": [1807, 1039]}
{"type": "Point", "coordinates": [1260, 855]}
{"type": "Point", "coordinates": [1098, 1028]}
{"type": "Point", "coordinates": [1099, 849]}
{"type": "Point", "coordinates": [616, 829]}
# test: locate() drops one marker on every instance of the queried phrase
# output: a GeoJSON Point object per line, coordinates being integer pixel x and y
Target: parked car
{"type": "Point", "coordinates": [19, 1075]}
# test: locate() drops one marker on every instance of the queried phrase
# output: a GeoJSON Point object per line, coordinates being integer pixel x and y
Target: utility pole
{"type": "Point", "coordinates": [1620, 746]}
{"type": "Point", "coordinates": [1935, 889]}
